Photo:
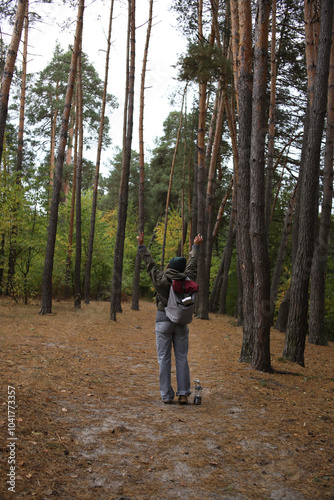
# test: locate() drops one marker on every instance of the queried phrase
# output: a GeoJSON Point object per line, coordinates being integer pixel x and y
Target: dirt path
{"type": "Point", "coordinates": [89, 423]}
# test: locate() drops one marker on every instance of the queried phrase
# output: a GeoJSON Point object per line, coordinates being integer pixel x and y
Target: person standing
{"type": "Point", "coordinates": [169, 334]}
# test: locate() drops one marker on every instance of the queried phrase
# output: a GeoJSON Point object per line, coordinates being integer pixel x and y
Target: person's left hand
{"type": "Point", "coordinates": [140, 238]}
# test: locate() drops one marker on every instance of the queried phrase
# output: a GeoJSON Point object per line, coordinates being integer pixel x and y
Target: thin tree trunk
{"type": "Point", "coordinates": [202, 303]}
{"type": "Point", "coordinates": [227, 263]}
{"type": "Point", "coordinates": [71, 224]}
{"type": "Point", "coordinates": [221, 211]}
{"type": "Point", "coordinates": [235, 45]}
{"type": "Point", "coordinates": [19, 161]}
{"type": "Point", "coordinates": [9, 68]}
{"type": "Point", "coordinates": [53, 218]}
{"type": "Point", "coordinates": [271, 132]}
{"type": "Point", "coordinates": [193, 207]}
{"type": "Point", "coordinates": [97, 168]}
{"type": "Point", "coordinates": [170, 181]}
{"type": "Point", "coordinates": [141, 213]}
{"type": "Point", "coordinates": [281, 254]}
{"type": "Point", "coordinates": [210, 191]}
{"type": "Point", "coordinates": [78, 240]}
{"type": "Point", "coordinates": [124, 187]}
{"type": "Point", "coordinates": [53, 140]}
{"type": "Point", "coordinates": [320, 256]}
{"type": "Point", "coordinates": [68, 160]}
{"type": "Point", "coordinates": [294, 345]}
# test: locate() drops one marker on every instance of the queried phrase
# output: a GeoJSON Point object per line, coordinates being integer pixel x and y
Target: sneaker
{"type": "Point", "coordinates": [167, 401]}
{"type": "Point", "coordinates": [183, 399]}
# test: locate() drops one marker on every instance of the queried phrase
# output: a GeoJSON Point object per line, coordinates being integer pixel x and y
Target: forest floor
{"type": "Point", "coordinates": [89, 423]}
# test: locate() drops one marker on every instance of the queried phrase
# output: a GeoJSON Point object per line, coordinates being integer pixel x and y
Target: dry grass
{"type": "Point", "coordinates": [89, 422]}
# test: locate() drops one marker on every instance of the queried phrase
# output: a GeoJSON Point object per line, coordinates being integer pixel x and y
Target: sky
{"type": "Point", "coordinates": [166, 44]}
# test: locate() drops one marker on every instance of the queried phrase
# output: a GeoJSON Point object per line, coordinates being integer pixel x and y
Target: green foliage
{"type": "Point", "coordinates": [202, 63]}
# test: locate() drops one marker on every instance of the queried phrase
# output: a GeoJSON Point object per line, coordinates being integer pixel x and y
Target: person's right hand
{"type": "Point", "coordinates": [198, 239]}
{"type": "Point", "coordinates": [140, 238]}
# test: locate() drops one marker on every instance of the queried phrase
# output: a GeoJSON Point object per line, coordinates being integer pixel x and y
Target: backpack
{"type": "Point", "coordinates": [181, 301]}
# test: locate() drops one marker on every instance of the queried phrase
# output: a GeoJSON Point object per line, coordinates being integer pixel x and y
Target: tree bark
{"type": "Point", "coordinates": [78, 239]}
{"type": "Point", "coordinates": [211, 187]}
{"type": "Point", "coordinates": [19, 161]}
{"type": "Point", "coordinates": [227, 264]}
{"type": "Point", "coordinates": [115, 305]}
{"type": "Point", "coordinates": [245, 90]}
{"type": "Point", "coordinates": [320, 256]}
{"type": "Point", "coordinates": [281, 254]}
{"type": "Point", "coordinates": [294, 345]}
{"type": "Point", "coordinates": [97, 167]}
{"type": "Point", "coordinates": [260, 358]}
{"type": "Point", "coordinates": [271, 132]}
{"type": "Point", "coordinates": [202, 302]}
{"type": "Point", "coordinates": [141, 211]}
{"type": "Point", "coordinates": [53, 218]}
{"type": "Point", "coordinates": [71, 224]}
{"type": "Point", "coordinates": [9, 68]}
{"type": "Point", "coordinates": [170, 182]}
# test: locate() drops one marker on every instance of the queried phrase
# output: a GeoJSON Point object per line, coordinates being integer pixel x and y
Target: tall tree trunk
{"type": "Point", "coordinates": [211, 187]}
{"type": "Point", "coordinates": [141, 212]}
{"type": "Point", "coordinates": [9, 68]}
{"type": "Point", "coordinates": [97, 168]}
{"type": "Point", "coordinates": [235, 45]}
{"type": "Point", "coordinates": [294, 345]}
{"type": "Point", "coordinates": [53, 140]}
{"type": "Point", "coordinates": [78, 239]}
{"type": "Point", "coordinates": [170, 182]}
{"type": "Point", "coordinates": [281, 254]}
{"type": "Point", "coordinates": [19, 160]}
{"type": "Point", "coordinates": [53, 218]}
{"type": "Point", "coordinates": [319, 263]}
{"type": "Point", "coordinates": [68, 160]}
{"type": "Point", "coordinates": [271, 132]}
{"type": "Point", "coordinates": [245, 89]}
{"type": "Point", "coordinates": [124, 187]}
{"type": "Point", "coordinates": [74, 184]}
{"type": "Point", "coordinates": [260, 359]}
{"type": "Point", "coordinates": [227, 263]}
{"type": "Point", "coordinates": [202, 302]}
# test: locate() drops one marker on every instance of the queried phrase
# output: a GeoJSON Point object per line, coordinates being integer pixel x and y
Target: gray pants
{"type": "Point", "coordinates": [168, 334]}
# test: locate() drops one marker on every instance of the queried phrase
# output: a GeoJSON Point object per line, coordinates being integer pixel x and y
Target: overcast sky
{"type": "Point", "coordinates": [165, 45]}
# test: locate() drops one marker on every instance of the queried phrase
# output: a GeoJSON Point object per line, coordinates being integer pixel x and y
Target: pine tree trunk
{"type": "Point", "coordinates": [68, 161]}
{"type": "Point", "coordinates": [71, 224]}
{"type": "Point", "coordinates": [124, 187]}
{"type": "Point", "coordinates": [9, 68]}
{"type": "Point", "coordinates": [141, 213]}
{"type": "Point", "coordinates": [78, 240]}
{"type": "Point", "coordinates": [202, 302]}
{"type": "Point", "coordinates": [320, 256]}
{"type": "Point", "coordinates": [243, 187]}
{"type": "Point", "coordinates": [260, 359]}
{"type": "Point", "coordinates": [19, 160]}
{"type": "Point", "coordinates": [53, 141]}
{"type": "Point", "coordinates": [227, 264]}
{"type": "Point", "coordinates": [170, 182]}
{"type": "Point", "coordinates": [271, 132]}
{"type": "Point", "coordinates": [294, 345]}
{"type": "Point", "coordinates": [281, 254]}
{"type": "Point", "coordinates": [53, 218]}
{"type": "Point", "coordinates": [97, 168]}
{"type": "Point", "coordinates": [211, 188]}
